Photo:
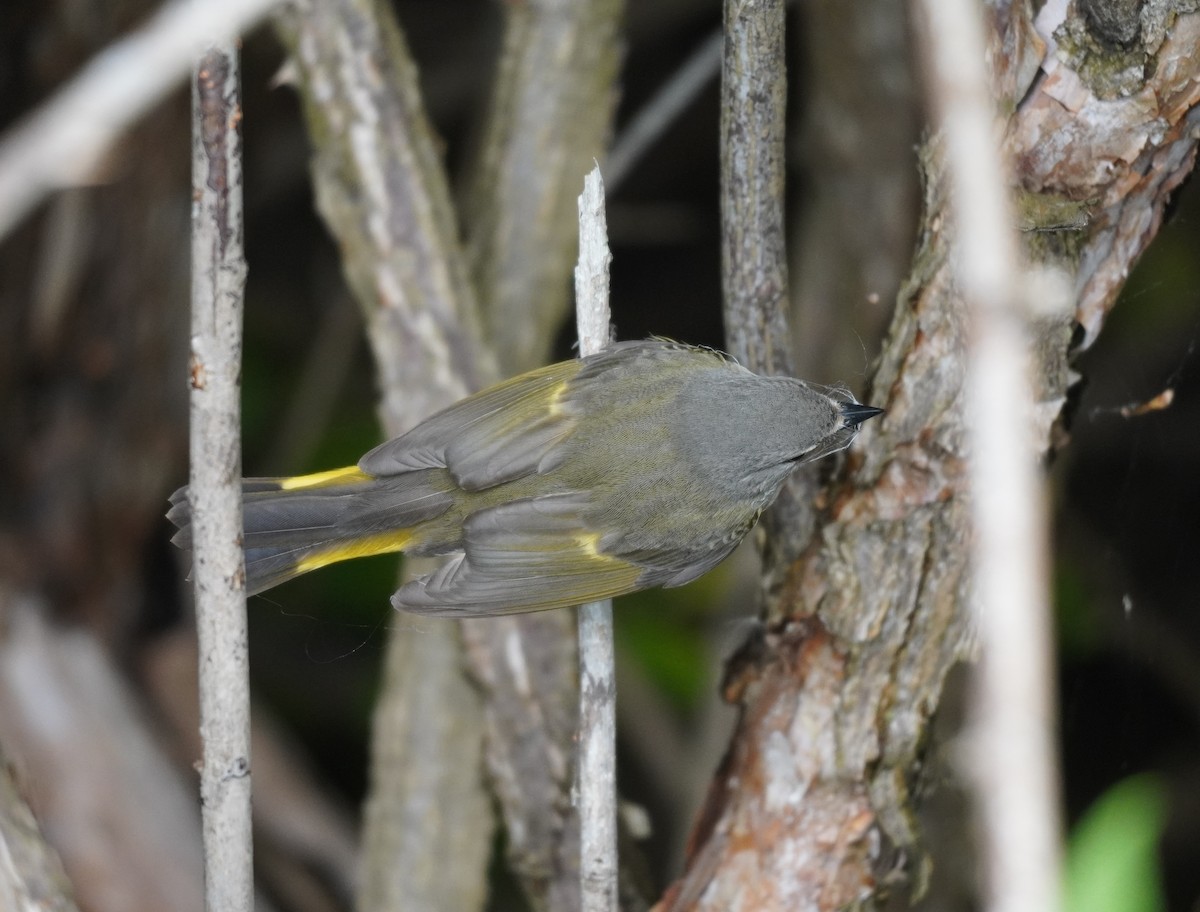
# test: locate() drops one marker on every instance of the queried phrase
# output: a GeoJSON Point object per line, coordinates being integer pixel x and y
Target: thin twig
{"type": "Point", "coordinates": [597, 774]}
{"type": "Point", "coordinates": [63, 143]}
{"type": "Point", "coordinates": [218, 279]}
{"type": "Point", "coordinates": [1012, 759]}
{"type": "Point", "coordinates": [657, 114]}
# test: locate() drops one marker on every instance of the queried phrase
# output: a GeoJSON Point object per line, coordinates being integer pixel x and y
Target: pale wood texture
{"type": "Point", "coordinates": [812, 807]}
{"type": "Point", "coordinates": [596, 776]}
{"type": "Point", "coordinates": [1010, 756]}
{"type": "Point", "coordinates": [383, 195]}
{"type": "Point", "coordinates": [214, 488]}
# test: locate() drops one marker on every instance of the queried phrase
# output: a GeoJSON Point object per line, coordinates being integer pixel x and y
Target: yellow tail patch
{"type": "Point", "coordinates": [346, 475]}
{"type": "Point", "coordinates": [368, 546]}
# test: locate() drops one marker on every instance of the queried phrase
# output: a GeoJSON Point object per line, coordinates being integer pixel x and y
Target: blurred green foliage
{"type": "Point", "coordinates": [1112, 856]}
{"type": "Point", "coordinates": [666, 632]}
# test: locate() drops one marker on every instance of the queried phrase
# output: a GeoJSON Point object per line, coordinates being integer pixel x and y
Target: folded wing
{"type": "Point", "coordinates": [528, 555]}
{"type": "Point", "coordinates": [504, 433]}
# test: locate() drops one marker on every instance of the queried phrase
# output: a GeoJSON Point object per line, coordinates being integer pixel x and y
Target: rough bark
{"type": "Point", "coordinates": [753, 252]}
{"type": "Point", "coordinates": [219, 571]}
{"type": "Point", "coordinates": [384, 197]}
{"type": "Point", "coordinates": [812, 807]}
{"type": "Point", "coordinates": [754, 268]}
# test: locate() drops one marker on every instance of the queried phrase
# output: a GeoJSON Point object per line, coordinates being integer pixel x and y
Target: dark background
{"type": "Point", "coordinates": [1124, 492]}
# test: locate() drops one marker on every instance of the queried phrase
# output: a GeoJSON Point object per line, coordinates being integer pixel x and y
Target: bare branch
{"type": "Point", "coordinates": [753, 253]}
{"type": "Point", "coordinates": [383, 194]}
{"type": "Point", "coordinates": [381, 188]}
{"type": "Point", "coordinates": [592, 318]}
{"type": "Point", "coordinates": [753, 249]}
{"type": "Point", "coordinates": [1012, 758]}
{"type": "Point", "coordinates": [656, 115]}
{"type": "Point", "coordinates": [218, 278]}
{"type": "Point", "coordinates": [837, 692]}
{"type": "Point", "coordinates": [64, 142]}
{"type": "Point", "coordinates": [596, 780]}
{"type": "Point", "coordinates": [548, 118]}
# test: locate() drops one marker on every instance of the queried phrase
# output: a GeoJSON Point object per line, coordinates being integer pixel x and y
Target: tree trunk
{"type": "Point", "coordinates": [812, 808]}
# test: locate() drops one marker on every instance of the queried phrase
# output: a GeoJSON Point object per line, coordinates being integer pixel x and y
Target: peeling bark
{"type": "Point", "coordinates": [812, 808]}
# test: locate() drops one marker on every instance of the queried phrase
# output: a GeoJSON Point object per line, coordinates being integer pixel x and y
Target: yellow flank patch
{"type": "Point", "coordinates": [345, 475]}
{"type": "Point", "coordinates": [385, 543]}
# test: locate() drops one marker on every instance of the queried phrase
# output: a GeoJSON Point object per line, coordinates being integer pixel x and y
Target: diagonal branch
{"type": "Point", "coordinates": [64, 142]}
{"type": "Point", "coordinates": [549, 116]}
{"type": "Point", "coordinates": [382, 192]}
{"type": "Point", "coordinates": [812, 808]}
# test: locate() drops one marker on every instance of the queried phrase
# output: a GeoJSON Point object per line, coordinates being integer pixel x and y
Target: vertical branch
{"type": "Point", "coordinates": [218, 279]}
{"type": "Point", "coordinates": [548, 117]}
{"type": "Point", "coordinates": [1012, 760]}
{"type": "Point", "coordinates": [753, 254]}
{"type": "Point", "coordinates": [597, 772]}
{"type": "Point", "coordinates": [753, 248]}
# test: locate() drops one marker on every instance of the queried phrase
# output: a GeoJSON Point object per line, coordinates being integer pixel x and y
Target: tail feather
{"type": "Point", "coordinates": [292, 526]}
{"type": "Point", "coordinates": [266, 569]}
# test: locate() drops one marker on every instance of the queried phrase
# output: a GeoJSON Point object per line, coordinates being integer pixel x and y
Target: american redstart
{"type": "Point", "coordinates": [643, 465]}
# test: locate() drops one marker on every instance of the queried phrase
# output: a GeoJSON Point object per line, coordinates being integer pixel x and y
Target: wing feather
{"type": "Point", "coordinates": [528, 555]}
{"type": "Point", "coordinates": [505, 432]}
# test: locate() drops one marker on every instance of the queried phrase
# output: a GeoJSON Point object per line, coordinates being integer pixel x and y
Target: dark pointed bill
{"type": "Point", "coordinates": [855, 414]}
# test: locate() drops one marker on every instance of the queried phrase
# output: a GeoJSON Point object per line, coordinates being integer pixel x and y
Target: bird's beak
{"type": "Point", "coordinates": [854, 414]}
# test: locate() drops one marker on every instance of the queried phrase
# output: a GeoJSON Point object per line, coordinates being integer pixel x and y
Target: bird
{"type": "Point", "coordinates": [643, 465]}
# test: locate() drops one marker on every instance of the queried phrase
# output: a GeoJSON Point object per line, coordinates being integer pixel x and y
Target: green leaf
{"type": "Point", "coordinates": [1112, 856]}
